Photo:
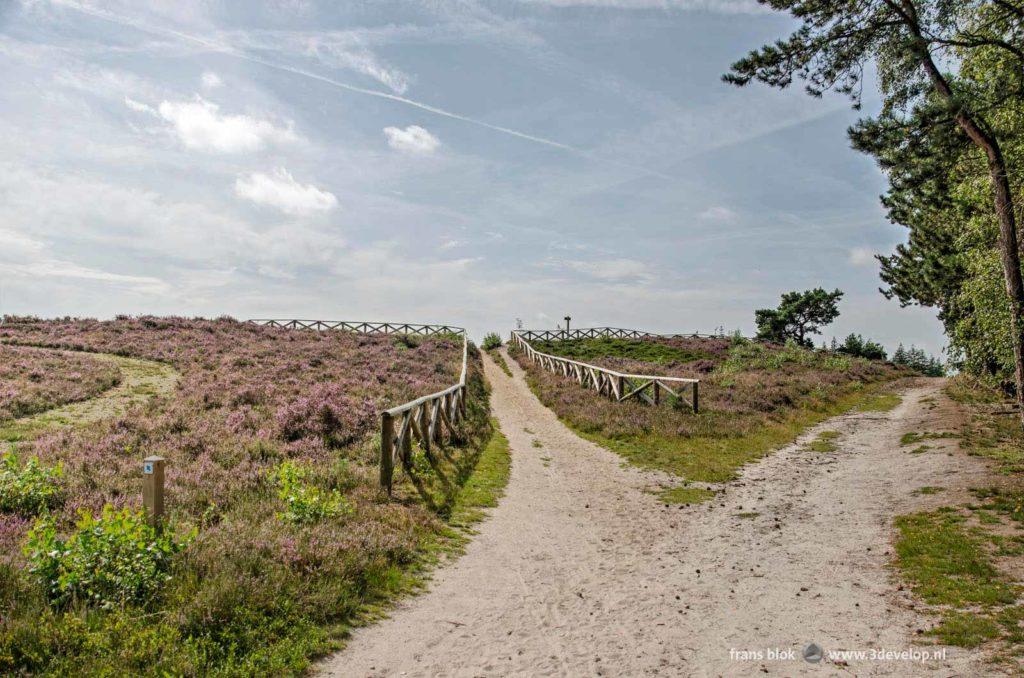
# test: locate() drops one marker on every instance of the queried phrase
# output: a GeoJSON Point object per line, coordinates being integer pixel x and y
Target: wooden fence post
{"type": "Point", "coordinates": [387, 458]}
{"type": "Point", "coordinates": [153, 489]}
{"type": "Point", "coordinates": [695, 397]}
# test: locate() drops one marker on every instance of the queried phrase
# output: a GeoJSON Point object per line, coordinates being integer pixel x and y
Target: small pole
{"type": "Point", "coordinates": [695, 397]}
{"type": "Point", "coordinates": [567, 319]}
{"type": "Point", "coordinates": [153, 489]}
{"type": "Point", "coordinates": [657, 393]}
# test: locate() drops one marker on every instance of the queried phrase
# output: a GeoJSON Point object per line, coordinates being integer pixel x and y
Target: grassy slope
{"type": "Point", "coordinates": [963, 560]}
{"type": "Point", "coordinates": [594, 350]}
{"type": "Point", "coordinates": [729, 432]}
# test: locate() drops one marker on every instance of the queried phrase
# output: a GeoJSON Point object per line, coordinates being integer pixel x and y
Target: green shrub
{"type": "Point", "coordinates": [110, 560]}
{"type": "Point", "coordinates": [306, 503]}
{"type": "Point", "coordinates": [491, 341]}
{"type": "Point", "coordinates": [754, 356]}
{"type": "Point", "coordinates": [29, 490]}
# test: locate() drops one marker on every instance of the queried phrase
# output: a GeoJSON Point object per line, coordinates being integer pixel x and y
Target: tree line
{"type": "Point", "coordinates": [949, 138]}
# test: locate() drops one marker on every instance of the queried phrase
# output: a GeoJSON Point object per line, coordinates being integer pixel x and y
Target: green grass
{"type": "Point", "coordinates": [716, 460]}
{"type": "Point", "coordinates": [500, 361]}
{"type": "Point", "coordinates": [929, 489]}
{"type": "Point", "coordinates": [880, 402]}
{"type": "Point", "coordinates": [952, 567]}
{"type": "Point", "coordinates": [748, 515]}
{"type": "Point", "coordinates": [685, 495]}
{"type": "Point", "coordinates": [486, 486]}
{"type": "Point", "coordinates": [965, 629]}
{"type": "Point", "coordinates": [536, 443]}
{"type": "Point", "coordinates": [825, 442]}
{"type": "Point", "coordinates": [589, 350]}
{"type": "Point", "coordinates": [946, 563]}
{"type": "Point", "coordinates": [914, 438]}
{"type": "Point", "coordinates": [921, 449]}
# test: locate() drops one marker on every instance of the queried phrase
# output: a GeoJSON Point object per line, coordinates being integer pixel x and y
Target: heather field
{"type": "Point", "coordinates": [278, 538]}
{"type": "Point", "coordinates": [754, 397]}
{"type": "Point", "coordinates": [33, 381]}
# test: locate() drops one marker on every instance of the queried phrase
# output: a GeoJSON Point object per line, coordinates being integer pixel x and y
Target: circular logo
{"type": "Point", "coordinates": [813, 653]}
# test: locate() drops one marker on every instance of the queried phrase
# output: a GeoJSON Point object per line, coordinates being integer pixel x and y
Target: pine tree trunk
{"type": "Point", "coordinates": [1009, 241]}
{"type": "Point", "coordinates": [1009, 254]}
{"type": "Point", "coordinates": [1009, 246]}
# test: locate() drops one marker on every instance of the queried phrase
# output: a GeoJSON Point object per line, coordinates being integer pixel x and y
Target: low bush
{"type": "Point", "coordinates": [109, 561]}
{"type": "Point", "coordinates": [491, 341]}
{"type": "Point", "coordinates": [306, 503]}
{"type": "Point", "coordinates": [30, 489]}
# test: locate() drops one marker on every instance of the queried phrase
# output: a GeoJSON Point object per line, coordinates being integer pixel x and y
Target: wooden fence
{"type": "Point", "coordinates": [615, 385]}
{"type": "Point", "coordinates": [603, 332]}
{"type": "Point", "coordinates": [362, 327]}
{"type": "Point", "coordinates": [431, 420]}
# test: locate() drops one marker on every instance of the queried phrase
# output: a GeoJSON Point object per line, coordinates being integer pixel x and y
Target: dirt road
{"type": "Point", "coordinates": [581, 571]}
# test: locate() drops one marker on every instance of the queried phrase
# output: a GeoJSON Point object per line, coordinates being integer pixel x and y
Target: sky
{"type": "Point", "coordinates": [453, 161]}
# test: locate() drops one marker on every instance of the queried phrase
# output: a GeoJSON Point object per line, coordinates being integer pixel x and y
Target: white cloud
{"type": "Point", "coordinates": [282, 191]}
{"type": "Point", "coordinates": [412, 139]}
{"type": "Point", "coordinates": [610, 270]}
{"type": "Point", "coordinates": [367, 63]}
{"type": "Point", "coordinates": [200, 125]}
{"type": "Point", "coordinates": [211, 80]}
{"type": "Point", "coordinates": [717, 213]}
{"type": "Point", "coordinates": [862, 256]}
{"type": "Point", "coordinates": [138, 106]}
{"type": "Point", "coordinates": [56, 268]}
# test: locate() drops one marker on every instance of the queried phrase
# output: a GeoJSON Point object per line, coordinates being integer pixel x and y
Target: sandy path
{"type": "Point", "coordinates": [140, 380]}
{"type": "Point", "coordinates": [581, 571]}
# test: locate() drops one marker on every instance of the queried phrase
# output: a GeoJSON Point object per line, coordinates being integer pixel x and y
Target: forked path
{"type": "Point", "coordinates": [581, 571]}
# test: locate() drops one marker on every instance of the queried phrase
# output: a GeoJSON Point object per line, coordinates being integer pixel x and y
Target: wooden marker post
{"type": "Point", "coordinates": [153, 489]}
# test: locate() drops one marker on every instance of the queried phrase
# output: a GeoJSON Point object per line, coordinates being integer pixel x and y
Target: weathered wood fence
{"type": "Point", "coordinates": [615, 385]}
{"type": "Point", "coordinates": [431, 419]}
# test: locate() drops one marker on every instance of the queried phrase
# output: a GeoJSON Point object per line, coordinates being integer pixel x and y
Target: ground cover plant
{"type": "Point", "coordinates": [33, 381]}
{"type": "Point", "coordinates": [754, 397]}
{"type": "Point", "coordinates": [277, 536]}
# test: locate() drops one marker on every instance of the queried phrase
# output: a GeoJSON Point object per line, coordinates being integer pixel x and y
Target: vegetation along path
{"type": "Point", "coordinates": [140, 381]}
{"type": "Point", "coordinates": [580, 570]}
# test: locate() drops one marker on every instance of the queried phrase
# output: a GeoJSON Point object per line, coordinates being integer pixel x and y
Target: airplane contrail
{"type": "Point", "coordinates": [231, 51]}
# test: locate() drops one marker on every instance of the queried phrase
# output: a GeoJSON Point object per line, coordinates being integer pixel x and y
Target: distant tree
{"type": "Point", "coordinates": [859, 347]}
{"type": "Point", "coordinates": [916, 359]}
{"type": "Point", "coordinates": [491, 341]}
{"type": "Point", "coordinates": [799, 315]}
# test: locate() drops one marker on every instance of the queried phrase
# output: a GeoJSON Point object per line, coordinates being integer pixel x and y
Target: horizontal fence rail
{"type": "Point", "coordinates": [615, 385]}
{"type": "Point", "coordinates": [605, 332]}
{"type": "Point", "coordinates": [431, 420]}
{"type": "Point", "coordinates": [361, 327]}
